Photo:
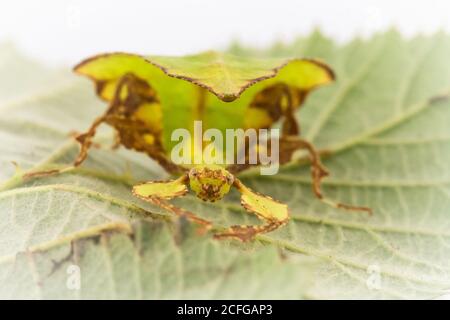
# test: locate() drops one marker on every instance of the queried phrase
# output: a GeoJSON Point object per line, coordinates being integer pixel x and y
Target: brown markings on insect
{"type": "Point", "coordinates": [273, 103]}
{"type": "Point", "coordinates": [200, 178]}
{"type": "Point", "coordinates": [180, 212]}
{"type": "Point", "coordinates": [280, 102]}
{"type": "Point", "coordinates": [248, 232]}
{"type": "Point", "coordinates": [135, 114]}
{"type": "Point", "coordinates": [210, 191]}
{"type": "Point", "coordinates": [226, 97]}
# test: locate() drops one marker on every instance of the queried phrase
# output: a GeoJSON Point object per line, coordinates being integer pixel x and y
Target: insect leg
{"type": "Point", "coordinates": [85, 140]}
{"type": "Point", "coordinates": [276, 102]}
{"type": "Point", "coordinates": [117, 142]}
{"type": "Point", "coordinates": [180, 212]}
{"type": "Point", "coordinates": [158, 192]}
{"type": "Point", "coordinates": [272, 212]}
{"type": "Point", "coordinates": [290, 125]}
{"type": "Point", "coordinates": [288, 145]}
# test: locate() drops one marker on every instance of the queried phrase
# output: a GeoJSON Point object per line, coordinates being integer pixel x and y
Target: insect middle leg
{"type": "Point", "coordinates": [290, 144]}
{"type": "Point", "coordinates": [85, 141]}
{"type": "Point", "coordinates": [130, 94]}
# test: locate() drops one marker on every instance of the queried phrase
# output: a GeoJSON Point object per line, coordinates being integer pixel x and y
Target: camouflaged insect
{"type": "Point", "coordinates": [150, 96]}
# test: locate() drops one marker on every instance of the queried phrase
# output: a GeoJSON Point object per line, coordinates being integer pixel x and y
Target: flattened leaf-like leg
{"type": "Point", "coordinates": [158, 192]}
{"type": "Point", "coordinates": [272, 212]}
{"type": "Point", "coordinates": [290, 144]}
{"type": "Point", "coordinates": [162, 189]}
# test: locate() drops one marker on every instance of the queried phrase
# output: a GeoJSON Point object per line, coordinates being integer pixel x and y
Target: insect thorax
{"type": "Point", "coordinates": [210, 182]}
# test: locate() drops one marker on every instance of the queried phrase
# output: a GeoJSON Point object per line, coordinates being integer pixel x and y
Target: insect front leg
{"type": "Point", "coordinates": [272, 212]}
{"type": "Point", "coordinates": [247, 232]}
{"type": "Point", "coordinates": [180, 212]}
{"type": "Point", "coordinates": [158, 192]}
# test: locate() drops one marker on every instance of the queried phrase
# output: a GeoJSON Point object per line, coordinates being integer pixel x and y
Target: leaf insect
{"type": "Point", "coordinates": [150, 96]}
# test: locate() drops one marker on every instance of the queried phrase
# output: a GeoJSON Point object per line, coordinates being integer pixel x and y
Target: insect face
{"type": "Point", "coordinates": [210, 182]}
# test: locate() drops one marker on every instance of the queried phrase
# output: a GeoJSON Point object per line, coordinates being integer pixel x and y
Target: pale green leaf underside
{"type": "Point", "coordinates": [390, 150]}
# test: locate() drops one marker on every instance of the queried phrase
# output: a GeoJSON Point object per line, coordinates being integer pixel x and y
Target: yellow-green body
{"type": "Point", "coordinates": [149, 97]}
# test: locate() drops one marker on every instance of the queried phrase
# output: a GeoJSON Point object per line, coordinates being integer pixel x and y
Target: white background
{"type": "Point", "coordinates": [64, 31]}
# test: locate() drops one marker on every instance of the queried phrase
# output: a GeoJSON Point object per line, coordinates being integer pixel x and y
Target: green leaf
{"type": "Point", "coordinates": [154, 263]}
{"type": "Point", "coordinates": [387, 138]}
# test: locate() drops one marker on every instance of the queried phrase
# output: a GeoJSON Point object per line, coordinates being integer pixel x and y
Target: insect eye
{"type": "Point", "coordinates": [194, 174]}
